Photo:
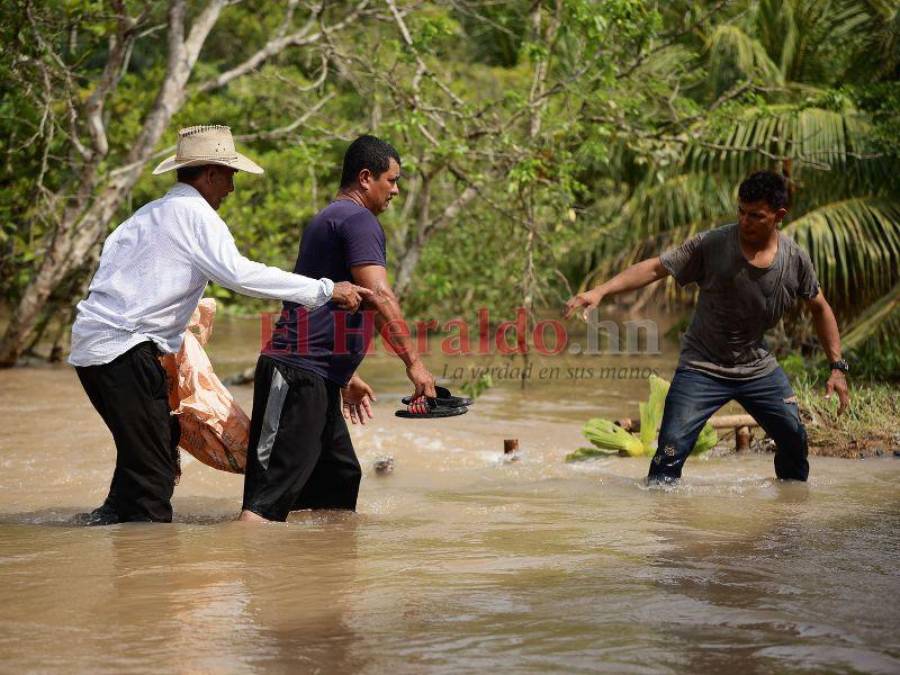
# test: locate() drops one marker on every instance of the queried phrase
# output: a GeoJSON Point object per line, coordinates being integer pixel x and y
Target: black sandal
{"type": "Point", "coordinates": [429, 408]}
{"type": "Point", "coordinates": [445, 399]}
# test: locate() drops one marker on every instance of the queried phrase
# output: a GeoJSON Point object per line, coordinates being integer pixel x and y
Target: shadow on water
{"type": "Point", "coordinates": [296, 583]}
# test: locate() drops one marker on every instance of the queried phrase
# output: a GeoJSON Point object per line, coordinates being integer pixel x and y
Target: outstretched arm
{"type": "Point", "coordinates": [634, 277]}
{"type": "Point", "coordinates": [830, 339]}
{"type": "Point", "coordinates": [215, 254]}
{"type": "Point", "coordinates": [391, 324]}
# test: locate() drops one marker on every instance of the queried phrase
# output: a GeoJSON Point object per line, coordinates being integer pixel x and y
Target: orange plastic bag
{"type": "Point", "coordinates": [214, 429]}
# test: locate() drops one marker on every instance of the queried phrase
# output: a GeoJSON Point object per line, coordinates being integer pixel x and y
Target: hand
{"type": "Point", "coordinates": [583, 302]}
{"type": "Point", "coordinates": [357, 398]}
{"type": "Point", "coordinates": [838, 383]}
{"type": "Point", "coordinates": [349, 296]}
{"type": "Point", "coordinates": [422, 379]}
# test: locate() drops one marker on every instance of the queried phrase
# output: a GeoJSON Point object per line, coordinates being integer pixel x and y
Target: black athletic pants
{"type": "Point", "coordinates": [130, 393]}
{"type": "Point", "coordinates": [300, 454]}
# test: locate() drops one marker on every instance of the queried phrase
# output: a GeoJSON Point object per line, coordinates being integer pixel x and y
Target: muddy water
{"type": "Point", "coordinates": [457, 562]}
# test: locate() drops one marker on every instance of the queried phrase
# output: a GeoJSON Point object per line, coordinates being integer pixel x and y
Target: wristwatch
{"type": "Point", "coordinates": [841, 365]}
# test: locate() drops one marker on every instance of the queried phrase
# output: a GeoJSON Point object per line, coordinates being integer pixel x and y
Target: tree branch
{"type": "Point", "coordinates": [287, 129]}
{"type": "Point", "coordinates": [119, 50]}
{"type": "Point", "coordinates": [276, 45]}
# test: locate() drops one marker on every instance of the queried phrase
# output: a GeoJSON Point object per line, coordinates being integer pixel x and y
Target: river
{"type": "Point", "coordinates": [458, 561]}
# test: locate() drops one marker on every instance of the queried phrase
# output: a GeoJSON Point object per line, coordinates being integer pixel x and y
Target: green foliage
{"type": "Point", "coordinates": [585, 453]}
{"type": "Point", "coordinates": [854, 245]}
{"type": "Point", "coordinates": [475, 388]}
{"type": "Point", "coordinates": [874, 409]}
{"type": "Point", "coordinates": [651, 412]}
{"type": "Point", "coordinates": [606, 435]}
{"type": "Point", "coordinates": [596, 133]}
{"type": "Point", "coordinates": [609, 438]}
{"type": "Point", "coordinates": [795, 366]}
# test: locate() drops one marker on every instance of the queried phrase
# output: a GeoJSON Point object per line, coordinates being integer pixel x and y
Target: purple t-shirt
{"type": "Point", "coordinates": [329, 341]}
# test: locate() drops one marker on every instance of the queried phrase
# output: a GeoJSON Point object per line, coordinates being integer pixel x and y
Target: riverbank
{"type": "Point", "coordinates": [869, 428]}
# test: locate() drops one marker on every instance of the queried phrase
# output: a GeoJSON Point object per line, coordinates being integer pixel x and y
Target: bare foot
{"type": "Point", "coordinates": [250, 517]}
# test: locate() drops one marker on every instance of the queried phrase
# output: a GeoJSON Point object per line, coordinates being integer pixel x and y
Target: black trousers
{"type": "Point", "coordinates": [130, 393]}
{"type": "Point", "coordinates": [300, 454]}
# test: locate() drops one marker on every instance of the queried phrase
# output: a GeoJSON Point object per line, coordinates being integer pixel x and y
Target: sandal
{"type": "Point", "coordinates": [444, 398]}
{"type": "Point", "coordinates": [428, 408]}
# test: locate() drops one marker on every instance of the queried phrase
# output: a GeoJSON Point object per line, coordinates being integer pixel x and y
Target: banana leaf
{"type": "Point", "coordinates": [607, 436]}
{"type": "Point", "coordinates": [652, 412]}
{"type": "Point", "coordinates": [583, 454]}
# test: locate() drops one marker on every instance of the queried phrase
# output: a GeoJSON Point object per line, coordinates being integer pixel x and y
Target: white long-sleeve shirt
{"type": "Point", "coordinates": [154, 269]}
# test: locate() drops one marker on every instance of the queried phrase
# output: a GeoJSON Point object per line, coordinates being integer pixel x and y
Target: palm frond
{"type": "Point", "coordinates": [814, 137]}
{"type": "Point", "coordinates": [855, 248]}
{"type": "Point", "coordinates": [662, 213]}
{"type": "Point", "coordinates": [778, 31]}
{"type": "Point", "coordinates": [690, 199]}
{"type": "Point", "coordinates": [730, 47]}
{"type": "Point", "coordinates": [871, 322]}
{"type": "Point", "coordinates": [876, 41]}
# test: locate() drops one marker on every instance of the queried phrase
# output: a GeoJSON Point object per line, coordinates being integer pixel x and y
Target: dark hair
{"type": "Point", "coordinates": [188, 173]}
{"type": "Point", "coordinates": [766, 186]}
{"type": "Point", "coordinates": [367, 152]}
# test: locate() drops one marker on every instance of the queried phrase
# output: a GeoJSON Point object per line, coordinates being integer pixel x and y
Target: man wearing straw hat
{"type": "Point", "coordinates": [153, 271]}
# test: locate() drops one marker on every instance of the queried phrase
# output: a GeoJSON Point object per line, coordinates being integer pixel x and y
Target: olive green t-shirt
{"type": "Point", "coordinates": [738, 302]}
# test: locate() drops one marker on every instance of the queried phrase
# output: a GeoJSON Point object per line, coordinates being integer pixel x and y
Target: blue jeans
{"type": "Point", "coordinates": [694, 397]}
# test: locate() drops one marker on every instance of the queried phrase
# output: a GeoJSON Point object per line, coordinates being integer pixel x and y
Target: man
{"type": "Point", "coordinates": [749, 275]}
{"type": "Point", "coordinates": [300, 454]}
{"type": "Point", "coordinates": [153, 271]}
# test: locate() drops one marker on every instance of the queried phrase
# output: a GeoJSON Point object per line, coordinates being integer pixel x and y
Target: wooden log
{"type": "Point", "coordinates": [732, 421]}
{"type": "Point", "coordinates": [718, 422]}
{"type": "Point", "coordinates": [742, 439]}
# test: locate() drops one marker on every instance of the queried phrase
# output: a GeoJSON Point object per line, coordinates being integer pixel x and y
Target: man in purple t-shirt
{"type": "Point", "coordinates": [300, 454]}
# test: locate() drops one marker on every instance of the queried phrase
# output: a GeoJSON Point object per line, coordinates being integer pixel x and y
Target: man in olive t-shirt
{"type": "Point", "coordinates": [749, 275]}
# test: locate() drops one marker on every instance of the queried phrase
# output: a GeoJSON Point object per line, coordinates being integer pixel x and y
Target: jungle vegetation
{"type": "Point", "coordinates": [545, 143]}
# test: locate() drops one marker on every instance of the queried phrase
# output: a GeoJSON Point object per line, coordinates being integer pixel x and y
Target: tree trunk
{"type": "Point", "coordinates": [82, 226]}
{"type": "Point", "coordinates": [408, 264]}
{"type": "Point", "coordinates": [74, 241]}
{"type": "Point", "coordinates": [417, 240]}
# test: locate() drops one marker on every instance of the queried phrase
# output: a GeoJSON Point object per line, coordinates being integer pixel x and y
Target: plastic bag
{"type": "Point", "coordinates": [214, 428]}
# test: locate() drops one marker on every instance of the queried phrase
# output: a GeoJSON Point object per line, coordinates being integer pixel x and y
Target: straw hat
{"type": "Point", "coordinates": [207, 144]}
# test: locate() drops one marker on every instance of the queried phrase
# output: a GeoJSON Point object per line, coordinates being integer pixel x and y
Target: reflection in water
{"type": "Point", "coordinates": [298, 582]}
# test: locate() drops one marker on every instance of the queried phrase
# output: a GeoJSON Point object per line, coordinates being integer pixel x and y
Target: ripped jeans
{"type": "Point", "coordinates": [694, 397]}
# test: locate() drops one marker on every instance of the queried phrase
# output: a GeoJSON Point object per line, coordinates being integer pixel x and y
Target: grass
{"type": "Point", "coordinates": [871, 422]}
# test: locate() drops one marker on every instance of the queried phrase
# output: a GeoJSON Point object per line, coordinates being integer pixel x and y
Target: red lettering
{"type": "Point", "coordinates": [302, 346]}
{"type": "Point", "coordinates": [268, 332]}
{"type": "Point", "coordinates": [484, 331]}
{"type": "Point", "coordinates": [422, 328]}
{"type": "Point", "coordinates": [463, 346]}
{"type": "Point", "coordinates": [394, 329]}
{"type": "Point", "coordinates": [562, 338]}
{"type": "Point", "coordinates": [519, 328]}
